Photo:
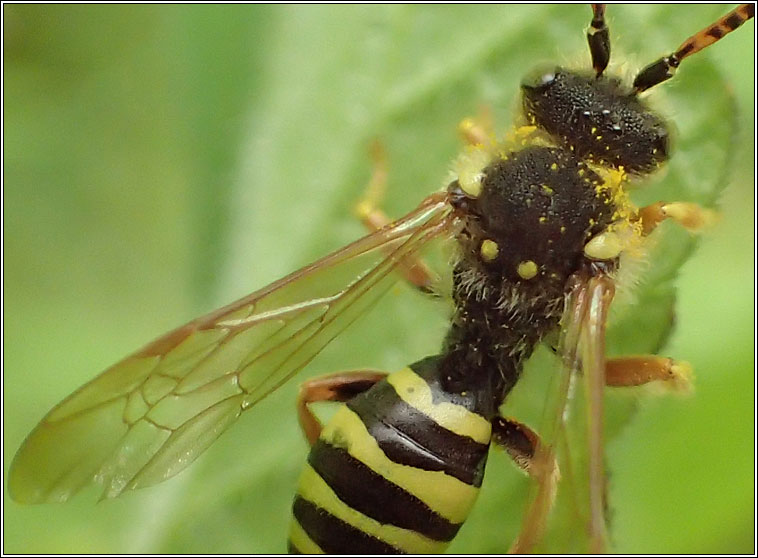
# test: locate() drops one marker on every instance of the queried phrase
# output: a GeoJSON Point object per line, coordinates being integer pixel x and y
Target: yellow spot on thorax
{"type": "Point", "coordinates": [489, 250]}
{"type": "Point", "coordinates": [527, 269]}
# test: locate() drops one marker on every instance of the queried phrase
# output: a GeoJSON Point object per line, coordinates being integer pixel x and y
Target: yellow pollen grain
{"type": "Point", "coordinates": [488, 250]}
{"type": "Point", "coordinates": [527, 269]}
{"type": "Point", "coordinates": [525, 130]}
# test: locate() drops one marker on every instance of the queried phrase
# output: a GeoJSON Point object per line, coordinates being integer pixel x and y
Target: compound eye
{"type": "Point", "coordinates": [540, 78]}
{"type": "Point", "coordinates": [661, 145]}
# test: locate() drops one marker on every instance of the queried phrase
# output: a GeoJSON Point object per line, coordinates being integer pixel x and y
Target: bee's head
{"type": "Point", "coordinates": [598, 118]}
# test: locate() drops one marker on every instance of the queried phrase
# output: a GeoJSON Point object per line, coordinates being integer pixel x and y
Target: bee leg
{"type": "Point", "coordinates": [520, 442]}
{"type": "Point", "coordinates": [689, 215]}
{"type": "Point", "coordinates": [524, 446]}
{"type": "Point", "coordinates": [639, 370]}
{"type": "Point", "coordinates": [339, 387]}
{"type": "Point", "coordinates": [413, 269]}
{"type": "Point", "coordinates": [479, 130]}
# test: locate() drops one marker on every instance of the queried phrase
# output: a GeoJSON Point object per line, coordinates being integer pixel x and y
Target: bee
{"type": "Point", "coordinates": [430, 229]}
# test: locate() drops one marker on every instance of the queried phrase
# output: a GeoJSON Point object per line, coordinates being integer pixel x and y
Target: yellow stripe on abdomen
{"type": "Point", "coordinates": [314, 489]}
{"type": "Point", "coordinates": [415, 391]}
{"type": "Point", "coordinates": [300, 539]}
{"type": "Point", "coordinates": [446, 495]}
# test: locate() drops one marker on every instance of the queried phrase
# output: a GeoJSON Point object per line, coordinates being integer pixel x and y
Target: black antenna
{"type": "Point", "coordinates": [599, 40]}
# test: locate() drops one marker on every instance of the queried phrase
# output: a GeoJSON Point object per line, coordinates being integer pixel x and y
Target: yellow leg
{"type": "Point", "coordinates": [639, 370]}
{"type": "Point", "coordinates": [520, 442]}
{"type": "Point", "coordinates": [479, 130]}
{"type": "Point", "coordinates": [534, 458]}
{"type": "Point", "coordinates": [340, 387]}
{"type": "Point", "coordinates": [689, 215]}
{"type": "Point", "coordinates": [374, 219]}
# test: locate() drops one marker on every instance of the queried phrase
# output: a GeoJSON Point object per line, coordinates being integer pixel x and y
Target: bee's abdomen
{"type": "Point", "coordinates": [396, 470]}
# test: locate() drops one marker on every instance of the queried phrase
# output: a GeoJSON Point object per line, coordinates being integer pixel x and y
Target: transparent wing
{"type": "Point", "coordinates": [572, 432]}
{"type": "Point", "coordinates": [149, 416]}
{"type": "Point", "coordinates": [601, 290]}
{"type": "Point", "coordinates": [551, 430]}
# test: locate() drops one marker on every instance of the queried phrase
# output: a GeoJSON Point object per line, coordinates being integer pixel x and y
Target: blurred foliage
{"type": "Point", "coordinates": [163, 160]}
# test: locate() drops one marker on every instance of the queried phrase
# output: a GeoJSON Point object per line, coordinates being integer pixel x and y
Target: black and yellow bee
{"type": "Point", "coordinates": [435, 218]}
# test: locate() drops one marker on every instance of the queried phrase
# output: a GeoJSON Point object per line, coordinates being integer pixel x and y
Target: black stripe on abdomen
{"type": "Point", "coordinates": [375, 496]}
{"type": "Point", "coordinates": [333, 535]}
{"type": "Point", "coordinates": [409, 437]}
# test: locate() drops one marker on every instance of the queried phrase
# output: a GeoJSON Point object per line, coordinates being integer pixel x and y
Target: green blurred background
{"type": "Point", "coordinates": [163, 160]}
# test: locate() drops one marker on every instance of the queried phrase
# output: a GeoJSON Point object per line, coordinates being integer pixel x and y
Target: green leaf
{"type": "Point", "coordinates": [163, 160]}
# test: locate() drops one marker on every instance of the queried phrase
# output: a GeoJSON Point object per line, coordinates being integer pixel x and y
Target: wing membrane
{"type": "Point", "coordinates": [147, 417]}
{"type": "Point", "coordinates": [551, 431]}
{"type": "Point", "coordinates": [601, 291]}
{"type": "Point", "coordinates": [572, 430]}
